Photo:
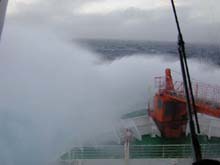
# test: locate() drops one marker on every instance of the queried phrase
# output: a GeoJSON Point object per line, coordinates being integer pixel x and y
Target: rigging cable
{"type": "Point", "coordinates": [188, 91]}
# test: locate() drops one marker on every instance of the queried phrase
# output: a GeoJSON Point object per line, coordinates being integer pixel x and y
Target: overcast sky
{"type": "Point", "coordinates": [125, 19]}
{"type": "Point", "coordinates": [41, 75]}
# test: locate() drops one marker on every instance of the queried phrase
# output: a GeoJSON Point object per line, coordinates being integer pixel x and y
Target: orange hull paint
{"type": "Point", "coordinates": [170, 112]}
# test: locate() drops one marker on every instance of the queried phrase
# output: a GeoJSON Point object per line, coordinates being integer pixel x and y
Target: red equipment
{"type": "Point", "coordinates": [170, 114]}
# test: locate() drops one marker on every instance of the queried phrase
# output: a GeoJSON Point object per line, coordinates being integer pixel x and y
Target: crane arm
{"type": "Point", "coordinates": [204, 108]}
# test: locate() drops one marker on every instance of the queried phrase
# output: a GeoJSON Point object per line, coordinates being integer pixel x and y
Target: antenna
{"type": "Point", "coordinates": [188, 91]}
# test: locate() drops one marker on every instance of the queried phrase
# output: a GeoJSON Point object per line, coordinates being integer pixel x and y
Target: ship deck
{"type": "Point", "coordinates": [148, 148]}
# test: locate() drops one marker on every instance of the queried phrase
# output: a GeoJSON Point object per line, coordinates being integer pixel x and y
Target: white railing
{"type": "Point", "coordinates": [140, 152]}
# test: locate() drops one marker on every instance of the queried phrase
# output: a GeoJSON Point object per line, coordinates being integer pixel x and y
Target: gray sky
{"type": "Point", "coordinates": [125, 19]}
{"type": "Point", "coordinates": [51, 91]}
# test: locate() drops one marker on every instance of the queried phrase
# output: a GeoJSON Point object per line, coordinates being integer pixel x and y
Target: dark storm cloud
{"type": "Point", "coordinates": [198, 22]}
{"type": "Point", "coordinates": [52, 91]}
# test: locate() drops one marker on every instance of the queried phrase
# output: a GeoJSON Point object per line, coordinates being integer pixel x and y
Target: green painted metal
{"type": "Point", "coordinates": [141, 152]}
{"type": "Point", "coordinates": [148, 148]}
{"type": "Point", "coordinates": [148, 139]}
{"type": "Point", "coordinates": [98, 152]}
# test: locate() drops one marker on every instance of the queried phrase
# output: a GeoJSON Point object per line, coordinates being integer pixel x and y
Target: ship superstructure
{"type": "Point", "coordinates": [169, 112]}
{"type": "Point", "coordinates": [160, 133]}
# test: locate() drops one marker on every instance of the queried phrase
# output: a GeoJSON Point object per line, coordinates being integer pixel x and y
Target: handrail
{"type": "Point", "coordinates": [140, 152]}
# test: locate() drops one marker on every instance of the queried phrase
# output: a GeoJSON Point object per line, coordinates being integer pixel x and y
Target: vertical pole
{"type": "Point", "coordinates": [126, 152]}
{"type": "Point", "coordinates": [188, 90]}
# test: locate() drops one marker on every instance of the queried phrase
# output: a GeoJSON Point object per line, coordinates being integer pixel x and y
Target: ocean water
{"type": "Point", "coordinates": [51, 93]}
{"type": "Point", "coordinates": [113, 49]}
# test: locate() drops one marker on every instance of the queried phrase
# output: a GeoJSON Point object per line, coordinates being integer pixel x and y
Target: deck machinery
{"type": "Point", "coordinates": [170, 113]}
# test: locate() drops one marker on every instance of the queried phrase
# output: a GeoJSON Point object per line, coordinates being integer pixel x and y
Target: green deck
{"type": "Point", "coordinates": [173, 148]}
{"type": "Point", "coordinates": [147, 139]}
{"type": "Point", "coordinates": [149, 147]}
{"type": "Point", "coordinates": [104, 152]}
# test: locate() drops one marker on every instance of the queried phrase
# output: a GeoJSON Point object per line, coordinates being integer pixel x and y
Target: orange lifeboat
{"type": "Point", "coordinates": [170, 114]}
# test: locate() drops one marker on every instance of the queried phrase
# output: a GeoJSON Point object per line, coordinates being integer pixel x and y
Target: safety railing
{"type": "Point", "coordinates": [96, 152]}
{"type": "Point", "coordinates": [203, 93]}
{"type": "Point", "coordinates": [140, 152]}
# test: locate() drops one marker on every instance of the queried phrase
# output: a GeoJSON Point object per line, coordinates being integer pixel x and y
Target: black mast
{"type": "Point", "coordinates": [188, 91]}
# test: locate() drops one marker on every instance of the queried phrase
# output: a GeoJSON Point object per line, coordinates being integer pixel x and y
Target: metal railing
{"type": "Point", "coordinates": [140, 152]}
{"type": "Point", "coordinates": [203, 93]}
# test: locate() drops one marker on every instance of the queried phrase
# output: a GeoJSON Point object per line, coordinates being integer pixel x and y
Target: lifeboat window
{"type": "Point", "coordinates": [160, 104]}
{"type": "Point", "coordinates": [170, 108]}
